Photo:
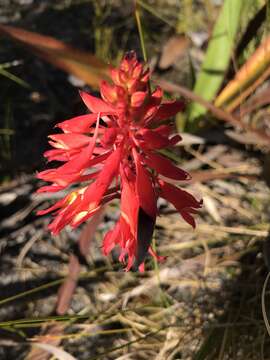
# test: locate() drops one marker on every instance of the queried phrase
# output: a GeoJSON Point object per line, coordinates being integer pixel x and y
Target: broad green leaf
{"type": "Point", "coordinates": [77, 62]}
{"type": "Point", "coordinates": [218, 56]}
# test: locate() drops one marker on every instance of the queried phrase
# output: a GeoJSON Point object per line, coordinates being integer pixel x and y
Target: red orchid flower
{"type": "Point", "coordinates": [114, 153]}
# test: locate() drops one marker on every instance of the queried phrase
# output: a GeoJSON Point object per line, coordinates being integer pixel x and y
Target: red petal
{"type": "Point", "coordinates": [169, 109]}
{"type": "Point", "coordinates": [137, 98]}
{"type": "Point", "coordinates": [70, 171]}
{"type": "Point", "coordinates": [174, 140]}
{"type": "Point", "coordinates": [115, 76]}
{"type": "Point", "coordinates": [152, 139]}
{"type": "Point", "coordinates": [95, 104]}
{"type": "Point", "coordinates": [96, 190]}
{"type": "Point", "coordinates": [156, 256]}
{"type": "Point", "coordinates": [165, 167]}
{"type": "Point", "coordinates": [57, 205]}
{"type": "Point", "coordinates": [184, 202]}
{"type": "Point", "coordinates": [109, 137]}
{"type": "Point", "coordinates": [153, 104]}
{"type": "Point", "coordinates": [129, 203]}
{"type": "Point", "coordinates": [79, 124]}
{"type": "Point", "coordinates": [111, 239]}
{"type": "Point", "coordinates": [49, 188]}
{"type": "Point", "coordinates": [188, 218]}
{"type": "Point", "coordinates": [108, 92]}
{"type": "Point", "coordinates": [145, 188]}
{"type": "Point", "coordinates": [70, 140]}
{"type": "Point", "coordinates": [179, 198]}
{"type": "Point", "coordinates": [61, 154]}
{"type": "Point", "coordinates": [164, 130]}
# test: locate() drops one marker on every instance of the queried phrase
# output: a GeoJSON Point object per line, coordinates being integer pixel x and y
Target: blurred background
{"type": "Point", "coordinates": [209, 299]}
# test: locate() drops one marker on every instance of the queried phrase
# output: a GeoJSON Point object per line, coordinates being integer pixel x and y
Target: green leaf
{"type": "Point", "coordinates": [217, 57]}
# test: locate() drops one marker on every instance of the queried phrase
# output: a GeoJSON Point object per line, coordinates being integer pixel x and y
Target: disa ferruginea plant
{"type": "Point", "coordinates": [112, 153]}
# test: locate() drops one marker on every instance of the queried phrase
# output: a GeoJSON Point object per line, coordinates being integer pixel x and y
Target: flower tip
{"type": "Point", "coordinates": [130, 55]}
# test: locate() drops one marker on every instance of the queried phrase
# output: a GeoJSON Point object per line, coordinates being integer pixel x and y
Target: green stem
{"type": "Point", "coordinates": [140, 30]}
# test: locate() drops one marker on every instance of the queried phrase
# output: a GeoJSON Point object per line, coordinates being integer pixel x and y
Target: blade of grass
{"type": "Point", "coordinates": [217, 57]}
{"type": "Point", "coordinates": [206, 349]}
{"type": "Point", "coordinates": [30, 292]}
{"type": "Point", "coordinates": [32, 322]}
{"type": "Point", "coordinates": [153, 12]}
{"type": "Point", "coordinates": [265, 318]}
{"type": "Point", "coordinates": [127, 344]}
{"type": "Point", "coordinates": [251, 30]}
{"type": "Point", "coordinates": [14, 78]}
{"type": "Point", "coordinates": [267, 20]}
{"type": "Point", "coordinates": [247, 79]}
{"type": "Point", "coordinates": [140, 30]}
{"type": "Point", "coordinates": [165, 300]}
{"type": "Point", "coordinates": [51, 284]}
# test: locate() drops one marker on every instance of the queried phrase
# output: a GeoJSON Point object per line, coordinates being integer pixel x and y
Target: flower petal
{"type": "Point", "coordinates": [152, 139]}
{"type": "Point", "coordinates": [69, 140]}
{"type": "Point", "coordinates": [78, 124]}
{"type": "Point", "coordinates": [97, 189]}
{"type": "Point", "coordinates": [110, 239]}
{"type": "Point", "coordinates": [169, 109]}
{"type": "Point", "coordinates": [108, 92]}
{"type": "Point", "coordinates": [96, 105]}
{"type": "Point", "coordinates": [165, 167]}
{"type": "Point", "coordinates": [184, 202]}
{"type": "Point", "coordinates": [145, 187]}
{"type": "Point", "coordinates": [129, 202]}
{"type": "Point", "coordinates": [108, 137]}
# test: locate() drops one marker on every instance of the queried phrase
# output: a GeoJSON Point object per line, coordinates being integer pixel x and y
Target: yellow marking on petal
{"type": "Point", "coordinates": [79, 216]}
{"type": "Point", "coordinates": [124, 215]}
{"type": "Point", "coordinates": [72, 197]}
{"type": "Point", "coordinates": [82, 214]}
{"type": "Point", "coordinates": [58, 144]}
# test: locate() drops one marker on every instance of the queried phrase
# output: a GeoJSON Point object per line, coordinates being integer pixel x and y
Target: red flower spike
{"type": "Point", "coordinates": [117, 158]}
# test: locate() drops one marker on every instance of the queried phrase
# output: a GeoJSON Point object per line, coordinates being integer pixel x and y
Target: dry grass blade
{"type": "Point", "coordinates": [260, 99]}
{"type": "Point", "coordinates": [55, 351]}
{"type": "Point", "coordinates": [67, 289]}
{"type": "Point", "coordinates": [89, 232]}
{"type": "Point", "coordinates": [77, 62]}
{"type": "Point", "coordinates": [247, 139]}
{"type": "Point", "coordinates": [247, 79]}
{"type": "Point", "coordinates": [265, 318]}
{"type": "Point", "coordinates": [47, 338]}
{"type": "Point", "coordinates": [27, 247]}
